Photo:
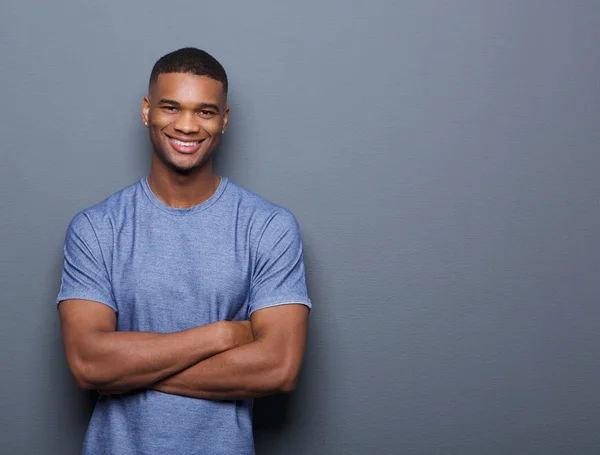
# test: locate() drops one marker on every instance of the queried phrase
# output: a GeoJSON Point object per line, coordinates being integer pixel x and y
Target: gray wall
{"type": "Point", "coordinates": [442, 159]}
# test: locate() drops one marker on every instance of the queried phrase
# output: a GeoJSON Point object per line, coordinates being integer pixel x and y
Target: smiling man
{"type": "Point", "coordinates": [183, 296]}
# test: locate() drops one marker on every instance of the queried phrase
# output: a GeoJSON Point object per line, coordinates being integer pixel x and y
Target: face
{"type": "Point", "coordinates": [186, 115]}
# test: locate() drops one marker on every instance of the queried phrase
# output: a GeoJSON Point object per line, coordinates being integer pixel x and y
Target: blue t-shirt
{"type": "Point", "coordinates": [164, 269]}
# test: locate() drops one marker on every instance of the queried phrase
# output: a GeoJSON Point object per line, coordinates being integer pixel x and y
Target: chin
{"type": "Point", "coordinates": [182, 169]}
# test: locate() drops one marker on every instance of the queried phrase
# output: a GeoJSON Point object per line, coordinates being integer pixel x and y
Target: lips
{"type": "Point", "coordinates": [185, 146]}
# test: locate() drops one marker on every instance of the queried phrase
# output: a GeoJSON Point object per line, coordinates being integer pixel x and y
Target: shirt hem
{"type": "Point", "coordinates": [307, 303]}
{"type": "Point", "coordinates": [91, 298]}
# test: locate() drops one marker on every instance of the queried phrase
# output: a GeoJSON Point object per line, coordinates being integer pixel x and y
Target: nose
{"type": "Point", "coordinates": [187, 123]}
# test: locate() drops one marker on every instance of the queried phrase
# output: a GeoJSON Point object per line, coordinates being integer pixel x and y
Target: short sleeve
{"type": "Point", "coordinates": [84, 275]}
{"type": "Point", "coordinates": [279, 276]}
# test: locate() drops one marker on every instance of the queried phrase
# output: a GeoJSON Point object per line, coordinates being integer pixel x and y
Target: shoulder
{"type": "Point", "coordinates": [263, 212]}
{"type": "Point", "coordinates": [107, 212]}
{"type": "Point", "coordinates": [269, 224]}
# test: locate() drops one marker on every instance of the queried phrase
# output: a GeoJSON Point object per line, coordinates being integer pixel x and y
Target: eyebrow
{"type": "Point", "coordinates": [199, 106]}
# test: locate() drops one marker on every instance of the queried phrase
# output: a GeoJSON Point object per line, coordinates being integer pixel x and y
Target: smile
{"type": "Point", "coordinates": [186, 147]}
{"type": "Point", "coordinates": [185, 144]}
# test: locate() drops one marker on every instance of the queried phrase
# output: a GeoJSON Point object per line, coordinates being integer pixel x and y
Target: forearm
{"type": "Point", "coordinates": [249, 371]}
{"type": "Point", "coordinates": [121, 361]}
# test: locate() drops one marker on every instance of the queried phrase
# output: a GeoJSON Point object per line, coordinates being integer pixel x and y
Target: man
{"type": "Point", "coordinates": [183, 296]}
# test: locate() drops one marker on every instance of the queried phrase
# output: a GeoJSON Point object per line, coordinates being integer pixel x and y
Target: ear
{"type": "Point", "coordinates": [146, 110]}
{"type": "Point", "coordinates": [225, 119]}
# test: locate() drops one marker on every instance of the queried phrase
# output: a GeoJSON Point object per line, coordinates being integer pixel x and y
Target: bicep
{"type": "Point", "coordinates": [283, 329]}
{"type": "Point", "coordinates": [81, 320]}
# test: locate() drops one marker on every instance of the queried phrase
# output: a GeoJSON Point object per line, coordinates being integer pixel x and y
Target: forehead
{"type": "Point", "coordinates": [188, 88]}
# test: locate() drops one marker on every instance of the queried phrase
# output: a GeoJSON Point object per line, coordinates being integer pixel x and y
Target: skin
{"type": "Point", "coordinates": [102, 358]}
{"type": "Point", "coordinates": [223, 360]}
{"type": "Point", "coordinates": [190, 108]}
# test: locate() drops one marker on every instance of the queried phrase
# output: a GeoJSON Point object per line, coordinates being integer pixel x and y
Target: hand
{"type": "Point", "coordinates": [238, 333]}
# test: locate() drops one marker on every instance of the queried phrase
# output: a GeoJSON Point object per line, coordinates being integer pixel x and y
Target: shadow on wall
{"type": "Point", "coordinates": [72, 407]}
{"type": "Point", "coordinates": [270, 413]}
{"type": "Point", "coordinates": [276, 416]}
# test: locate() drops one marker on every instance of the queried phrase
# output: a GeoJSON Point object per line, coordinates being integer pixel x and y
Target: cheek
{"type": "Point", "coordinates": [212, 126]}
{"type": "Point", "coordinates": [159, 119]}
{"type": "Point", "coordinates": [157, 128]}
{"type": "Point", "coordinates": [155, 134]}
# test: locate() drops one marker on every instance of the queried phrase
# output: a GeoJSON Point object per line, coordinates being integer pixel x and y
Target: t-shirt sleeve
{"type": "Point", "coordinates": [84, 275]}
{"type": "Point", "coordinates": [279, 276]}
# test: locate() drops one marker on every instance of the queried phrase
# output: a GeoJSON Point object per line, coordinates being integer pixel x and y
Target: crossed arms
{"type": "Point", "coordinates": [224, 360]}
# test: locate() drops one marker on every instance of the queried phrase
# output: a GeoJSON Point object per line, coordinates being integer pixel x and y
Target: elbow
{"type": "Point", "coordinates": [84, 374]}
{"type": "Point", "coordinates": [82, 385]}
{"type": "Point", "coordinates": [288, 386]}
{"type": "Point", "coordinates": [287, 379]}
{"type": "Point", "coordinates": [82, 382]}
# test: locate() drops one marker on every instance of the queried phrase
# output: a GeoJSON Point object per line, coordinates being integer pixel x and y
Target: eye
{"type": "Point", "coordinates": [169, 108]}
{"type": "Point", "coordinates": [206, 114]}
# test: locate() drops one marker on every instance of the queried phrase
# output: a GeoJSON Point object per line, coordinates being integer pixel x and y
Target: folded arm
{"type": "Point", "coordinates": [269, 364]}
{"type": "Point", "coordinates": [102, 358]}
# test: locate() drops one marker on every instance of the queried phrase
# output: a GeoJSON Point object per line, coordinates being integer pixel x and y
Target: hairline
{"type": "Point", "coordinates": [153, 80]}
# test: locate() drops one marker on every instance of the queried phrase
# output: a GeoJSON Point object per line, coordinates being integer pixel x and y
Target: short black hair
{"type": "Point", "coordinates": [190, 60]}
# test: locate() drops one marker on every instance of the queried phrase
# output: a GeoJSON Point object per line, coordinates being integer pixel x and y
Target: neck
{"type": "Point", "coordinates": [182, 190]}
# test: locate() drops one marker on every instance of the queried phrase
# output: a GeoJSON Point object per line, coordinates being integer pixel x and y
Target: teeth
{"type": "Point", "coordinates": [185, 144]}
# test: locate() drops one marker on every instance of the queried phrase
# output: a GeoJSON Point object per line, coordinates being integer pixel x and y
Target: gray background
{"type": "Point", "coordinates": [442, 158]}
